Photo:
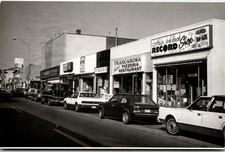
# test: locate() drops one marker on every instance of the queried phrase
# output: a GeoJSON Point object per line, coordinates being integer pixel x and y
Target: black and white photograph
{"type": "Point", "coordinates": [112, 75]}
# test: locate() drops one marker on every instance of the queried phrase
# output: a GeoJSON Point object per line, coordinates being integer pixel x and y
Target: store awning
{"type": "Point", "coordinates": [178, 64]}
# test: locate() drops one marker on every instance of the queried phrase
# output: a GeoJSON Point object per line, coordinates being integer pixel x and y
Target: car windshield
{"type": "Point", "coordinates": [142, 100]}
{"type": "Point", "coordinates": [89, 95]}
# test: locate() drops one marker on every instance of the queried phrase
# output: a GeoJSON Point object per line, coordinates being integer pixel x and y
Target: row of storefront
{"type": "Point", "coordinates": [173, 67]}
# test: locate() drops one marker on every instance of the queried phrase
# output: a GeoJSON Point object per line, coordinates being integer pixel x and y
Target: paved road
{"type": "Point", "coordinates": [89, 129]}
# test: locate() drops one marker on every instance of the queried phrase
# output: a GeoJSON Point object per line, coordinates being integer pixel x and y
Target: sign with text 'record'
{"type": "Point", "coordinates": [68, 67]}
{"type": "Point", "coordinates": [128, 65]}
{"type": "Point", "coordinates": [195, 39]}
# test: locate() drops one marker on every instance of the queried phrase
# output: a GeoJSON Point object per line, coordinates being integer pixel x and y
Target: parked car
{"type": "Point", "coordinates": [54, 93]}
{"type": "Point", "coordinates": [206, 115]}
{"type": "Point", "coordinates": [129, 107]}
{"type": "Point", "coordinates": [36, 95]}
{"type": "Point", "coordinates": [28, 93]}
{"type": "Point", "coordinates": [18, 92]}
{"type": "Point", "coordinates": [83, 100]}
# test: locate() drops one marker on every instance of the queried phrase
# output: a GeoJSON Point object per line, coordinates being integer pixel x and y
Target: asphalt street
{"type": "Point", "coordinates": [37, 125]}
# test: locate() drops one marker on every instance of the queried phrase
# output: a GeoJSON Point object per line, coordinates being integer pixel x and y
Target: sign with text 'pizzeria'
{"type": "Point", "coordinates": [195, 39]}
{"type": "Point", "coordinates": [128, 65]}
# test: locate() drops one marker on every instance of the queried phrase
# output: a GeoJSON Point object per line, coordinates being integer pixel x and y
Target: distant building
{"type": "Point", "coordinates": [68, 46]}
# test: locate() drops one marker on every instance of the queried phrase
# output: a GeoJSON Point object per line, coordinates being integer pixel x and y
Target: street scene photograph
{"type": "Point", "coordinates": [112, 75]}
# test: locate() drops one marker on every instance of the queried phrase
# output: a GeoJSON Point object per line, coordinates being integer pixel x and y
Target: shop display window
{"type": "Point", "coordinates": [179, 85]}
{"type": "Point", "coordinates": [129, 83]}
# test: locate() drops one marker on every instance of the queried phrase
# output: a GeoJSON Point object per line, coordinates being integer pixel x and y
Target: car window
{"type": "Point", "coordinates": [142, 100]}
{"type": "Point", "coordinates": [115, 98]}
{"type": "Point", "coordinates": [217, 106]}
{"type": "Point", "coordinates": [200, 104]}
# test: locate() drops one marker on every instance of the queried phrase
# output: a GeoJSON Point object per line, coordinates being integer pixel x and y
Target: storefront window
{"type": "Point", "coordinates": [129, 83]}
{"type": "Point", "coordinates": [103, 84]}
{"type": "Point", "coordinates": [179, 85]}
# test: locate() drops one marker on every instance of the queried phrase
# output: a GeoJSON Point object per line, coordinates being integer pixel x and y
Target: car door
{"type": "Point", "coordinates": [215, 116]}
{"type": "Point", "coordinates": [73, 99]}
{"type": "Point", "coordinates": [110, 105]}
{"type": "Point", "coordinates": [117, 107]}
{"type": "Point", "coordinates": [192, 116]}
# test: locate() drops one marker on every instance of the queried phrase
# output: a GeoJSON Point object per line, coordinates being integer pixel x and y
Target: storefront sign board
{"type": "Point", "coordinates": [195, 39]}
{"type": "Point", "coordinates": [127, 65]}
{"type": "Point", "coordinates": [101, 70]}
{"type": "Point", "coordinates": [50, 73]}
{"type": "Point", "coordinates": [68, 67]}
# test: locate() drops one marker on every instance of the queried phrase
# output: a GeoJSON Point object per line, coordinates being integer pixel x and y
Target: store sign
{"type": "Point", "coordinates": [101, 70]}
{"type": "Point", "coordinates": [82, 64]}
{"type": "Point", "coordinates": [68, 67]}
{"type": "Point", "coordinates": [127, 65]}
{"type": "Point", "coordinates": [50, 73]}
{"type": "Point", "coordinates": [199, 38]}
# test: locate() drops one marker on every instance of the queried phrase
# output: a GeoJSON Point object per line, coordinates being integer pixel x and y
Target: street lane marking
{"type": "Point", "coordinates": [72, 138]}
{"type": "Point", "coordinates": [18, 110]}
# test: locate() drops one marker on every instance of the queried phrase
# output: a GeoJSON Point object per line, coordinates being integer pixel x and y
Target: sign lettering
{"type": "Point", "coordinates": [195, 39]}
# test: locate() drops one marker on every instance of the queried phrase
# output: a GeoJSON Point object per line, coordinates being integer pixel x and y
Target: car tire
{"type": "Point", "coordinates": [77, 108]}
{"type": "Point", "coordinates": [49, 102]}
{"type": "Point", "coordinates": [101, 113]}
{"type": "Point", "coordinates": [65, 106]}
{"type": "Point", "coordinates": [126, 118]}
{"type": "Point", "coordinates": [172, 127]}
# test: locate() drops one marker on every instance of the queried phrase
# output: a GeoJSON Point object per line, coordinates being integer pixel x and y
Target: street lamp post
{"type": "Point", "coordinates": [26, 43]}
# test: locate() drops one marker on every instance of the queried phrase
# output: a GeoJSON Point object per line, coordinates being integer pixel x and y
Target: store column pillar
{"type": "Point", "coordinates": [144, 76]}
{"type": "Point", "coordinates": [154, 85]}
{"type": "Point", "coordinates": [95, 85]}
{"type": "Point", "coordinates": [73, 85]}
{"type": "Point", "coordinates": [81, 84]}
{"type": "Point", "coordinates": [111, 84]}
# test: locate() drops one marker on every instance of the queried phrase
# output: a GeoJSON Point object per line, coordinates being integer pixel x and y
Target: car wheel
{"type": "Point", "coordinates": [65, 105]}
{"type": "Point", "coordinates": [126, 118]}
{"type": "Point", "coordinates": [77, 108]}
{"type": "Point", "coordinates": [101, 113]}
{"type": "Point", "coordinates": [172, 127]}
{"type": "Point", "coordinates": [49, 102]}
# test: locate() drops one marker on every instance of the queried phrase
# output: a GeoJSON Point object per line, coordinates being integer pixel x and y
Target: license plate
{"type": "Point", "coordinates": [147, 110]}
{"type": "Point", "coordinates": [93, 107]}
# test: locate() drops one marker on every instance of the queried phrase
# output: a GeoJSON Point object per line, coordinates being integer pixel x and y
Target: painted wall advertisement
{"type": "Point", "coordinates": [128, 65]}
{"type": "Point", "coordinates": [195, 39]}
{"type": "Point", "coordinates": [82, 64]}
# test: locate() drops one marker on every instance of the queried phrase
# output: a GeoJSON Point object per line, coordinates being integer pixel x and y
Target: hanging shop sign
{"type": "Point", "coordinates": [101, 70]}
{"type": "Point", "coordinates": [82, 64]}
{"type": "Point", "coordinates": [195, 39]}
{"type": "Point", "coordinates": [128, 65]}
{"type": "Point", "coordinates": [68, 67]}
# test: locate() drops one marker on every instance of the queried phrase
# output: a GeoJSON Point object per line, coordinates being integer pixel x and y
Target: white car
{"type": "Point", "coordinates": [205, 116]}
{"type": "Point", "coordinates": [82, 100]}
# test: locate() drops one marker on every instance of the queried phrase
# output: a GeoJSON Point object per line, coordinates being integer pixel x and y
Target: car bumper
{"type": "Point", "coordinates": [146, 115]}
{"type": "Point", "coordinates": [89, 106]}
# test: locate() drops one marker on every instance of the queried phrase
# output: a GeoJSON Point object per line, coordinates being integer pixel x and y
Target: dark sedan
{"type": "Point", "coordinates": [128, 107]}
{"type": "Point", "coordinates": [18, 92]}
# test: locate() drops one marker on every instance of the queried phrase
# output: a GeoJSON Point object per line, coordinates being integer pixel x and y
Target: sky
{"type": "Point", "coordinates": [37, 22]}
